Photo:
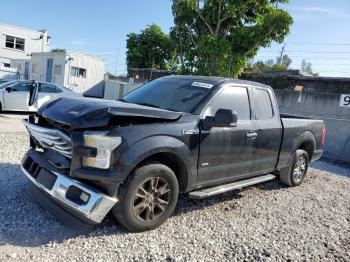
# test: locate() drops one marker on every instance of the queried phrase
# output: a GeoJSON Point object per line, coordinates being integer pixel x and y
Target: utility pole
{"type": "Point", "coordinates": [116, 66]}
{"type": "Point", "coordinates": [282, 53]}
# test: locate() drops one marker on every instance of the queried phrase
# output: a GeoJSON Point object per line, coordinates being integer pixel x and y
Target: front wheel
{"type": "Point", "coordinates": [147, 198]}
{"type": "Point", "coordinates": [294, 174]}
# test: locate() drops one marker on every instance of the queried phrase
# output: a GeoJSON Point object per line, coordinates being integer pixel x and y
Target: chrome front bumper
{"type": "Point", "coordinates": [95, 209]}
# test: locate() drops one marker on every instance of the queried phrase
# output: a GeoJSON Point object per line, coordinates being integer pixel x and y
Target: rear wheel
{"type": "Point", "coordinates": [294, 174]}
{"type": "Point", "coordinates": [147, 198]}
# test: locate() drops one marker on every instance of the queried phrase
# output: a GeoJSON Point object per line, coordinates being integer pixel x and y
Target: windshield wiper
{"type": "Point", "coordinates": [155, 106]}
{"type": "Point", "coordinates": [148, 104]}
{"type": "Point", "coordinates": [122, 100]}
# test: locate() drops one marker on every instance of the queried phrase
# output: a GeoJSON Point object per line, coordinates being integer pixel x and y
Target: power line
{"type": "Point", "coordinates": [312, 57]}
{"type": "Point", "coordinates": [306, 51]}
{"type": "Point", "coordinates": [328, 64]}
{"type": "Point", "coordinates": [318, 43]}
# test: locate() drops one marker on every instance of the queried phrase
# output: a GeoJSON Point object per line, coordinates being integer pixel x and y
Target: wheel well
{"type": "Point", "coordinates": [174, 162]}
{"type": "Point", "coordinates": [308, 147]}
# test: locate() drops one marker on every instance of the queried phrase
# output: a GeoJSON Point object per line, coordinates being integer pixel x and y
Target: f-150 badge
{"type": "Point", "coordinates": [190, 132]}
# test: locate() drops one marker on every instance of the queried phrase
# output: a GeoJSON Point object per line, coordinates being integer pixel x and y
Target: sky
{"type": "Point", "coordinates": [320, 33]}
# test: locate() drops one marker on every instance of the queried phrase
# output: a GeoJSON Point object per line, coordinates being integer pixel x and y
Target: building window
{"type": "Point", "coordinates": [14, 43]}
{"type": "Point", "coordinates": [35, 68]}
{"type": "Point", "coordinates": [78, 72]}
{"type": "Point", "coordinates": [7, 65]}
{"type": "Point", "coordinates": [57, 70]}
{"type": "Point", "coordinates": [19, 67]}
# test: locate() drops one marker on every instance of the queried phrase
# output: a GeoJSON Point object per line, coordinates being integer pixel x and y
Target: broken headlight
{"type": "Point", "coordinates": [104, 145]}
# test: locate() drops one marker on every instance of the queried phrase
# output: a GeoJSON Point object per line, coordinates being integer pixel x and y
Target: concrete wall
{"type": "Point", "coordinates": [40, 60]}
{"type": "Point", "coordinates": [319, 99]}
{"type": "Point", "coordinates": [95, 69]}
{"type": "Point", "coordinates": [8, 73]}
{"type": "Point", "coordinates": [35, 41]}
{"type": "Point", "coordinates": [114, 90]}
{"type": "Point", "coordinates": [19, 64]}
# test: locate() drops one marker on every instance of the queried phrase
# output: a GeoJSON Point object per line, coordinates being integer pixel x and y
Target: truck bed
{"type": "Point", "coordinates": [296, 130]}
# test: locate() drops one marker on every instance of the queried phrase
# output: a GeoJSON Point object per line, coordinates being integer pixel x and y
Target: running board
{"type": "Point", "coordinates": [228, 187]}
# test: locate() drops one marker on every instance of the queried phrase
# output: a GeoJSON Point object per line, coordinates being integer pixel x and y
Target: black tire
{"type": "Point", "coordinates": [136, 195]}
{"type": "Point", "coordinates": [294, 174]}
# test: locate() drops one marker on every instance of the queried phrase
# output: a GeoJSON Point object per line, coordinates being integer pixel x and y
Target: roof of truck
{"type": "Point", "coordinates": [216, 80]}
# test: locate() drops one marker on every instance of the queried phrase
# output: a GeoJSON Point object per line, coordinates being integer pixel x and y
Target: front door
{"type": "Point", "coordinates": [49, 69]}
{"type": "Point", "coordinates": [226, 152]}
{"type": "Point", "coordinates": [26, 70]}
{"type": "Point", "coordinates": [16, 97]}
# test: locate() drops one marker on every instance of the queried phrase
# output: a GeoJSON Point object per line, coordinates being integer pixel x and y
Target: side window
{"type": "Point", "coordinates": [21, 87]}
{"type": "Point", "coordinates": [46, 88]}
{"type": "Point", "coordinates": [263, 105]}
{"type": "Point", "coordinates": [57, 70]}
{"type": "Point", "coordinates": [231, 97]}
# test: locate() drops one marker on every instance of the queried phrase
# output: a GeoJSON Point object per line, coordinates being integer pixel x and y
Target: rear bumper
{"type": "Point", "coordinates": [82, 201]}
{"type": "Point", "coordinates": [317, 155]}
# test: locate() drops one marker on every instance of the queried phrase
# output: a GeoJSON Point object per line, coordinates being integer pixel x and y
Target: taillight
{"type": "Point", "coordinates": [323, 135]}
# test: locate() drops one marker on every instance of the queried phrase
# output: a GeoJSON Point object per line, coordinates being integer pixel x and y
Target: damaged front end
{"type": "Point", "coordinates": [49, 172]}
{"type": "Point", "coordinates": [85, 113]}
{"type": "Point", "coordinates": [72, 158]}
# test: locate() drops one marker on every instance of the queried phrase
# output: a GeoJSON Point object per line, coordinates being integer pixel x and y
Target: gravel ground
{"type": "Point", "coordinates": [266, 223]}
{"type": "Point", "coordinates": [10, 122]}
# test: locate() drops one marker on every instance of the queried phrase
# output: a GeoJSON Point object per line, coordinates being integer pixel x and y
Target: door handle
{"type": "Point", "coordinates": [252, 134]}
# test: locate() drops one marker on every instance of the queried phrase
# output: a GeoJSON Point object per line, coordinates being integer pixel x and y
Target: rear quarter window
{"type": "Point", "coordinates": [263, 105]}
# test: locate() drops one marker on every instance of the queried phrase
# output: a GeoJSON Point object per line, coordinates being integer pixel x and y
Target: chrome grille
{"type": "Point", "coordinates": [50, 138]}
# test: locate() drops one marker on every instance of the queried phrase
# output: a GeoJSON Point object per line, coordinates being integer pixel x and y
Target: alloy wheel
{"type": "Point", "coordinates": [151, 199]}
{"type": "Point", "coordinates": [299, 169]}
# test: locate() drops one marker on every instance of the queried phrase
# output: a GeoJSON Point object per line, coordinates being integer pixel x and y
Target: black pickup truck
{"type": "Point", "coordinates": [198, 136]}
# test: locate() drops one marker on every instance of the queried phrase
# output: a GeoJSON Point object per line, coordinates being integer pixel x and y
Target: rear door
{"type": "Point", "coordinates": [16, 96]}
{"type": "Point", "coordinates": [268, 131]}
{"type": "Point", "coordinates": [226, 152]}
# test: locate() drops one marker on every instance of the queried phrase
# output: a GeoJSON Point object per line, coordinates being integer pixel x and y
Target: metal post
{"type": "Point", "coordinates": [116, 66]}
{"type": "Point", "coordinates": [151, 70]}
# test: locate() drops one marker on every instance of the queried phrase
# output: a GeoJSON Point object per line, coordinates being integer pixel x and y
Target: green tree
{"type": "Point", "coordinates": [58, 50]}
{"type": "Point", "coordinates": [285, 61]}
{"type": "Point", "coordinates": [217, 37]}
{"type": "Point", "coordinates": [281, 63]}
{"type": "Point", "coordinates": [150, 48]}
{"type": "Point", "coordinates": [307, 67]}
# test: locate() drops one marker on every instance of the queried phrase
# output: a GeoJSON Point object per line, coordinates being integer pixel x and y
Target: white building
{"type": "Point", "coordinates": [74, 70]}
{"type": "Point", "coordinates": [19, 43]}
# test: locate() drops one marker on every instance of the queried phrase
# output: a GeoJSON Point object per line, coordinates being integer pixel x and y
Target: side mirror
{"type": "Point", "coordinates": [8, 89]}
{"type": "Point", "coordinates": [225, 118]}
{"type": "Point", "coordinates": [222, 118]}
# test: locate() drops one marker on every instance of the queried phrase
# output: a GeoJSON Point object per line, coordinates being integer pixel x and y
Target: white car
{"type": "Point", "coordinates": [16, 95]}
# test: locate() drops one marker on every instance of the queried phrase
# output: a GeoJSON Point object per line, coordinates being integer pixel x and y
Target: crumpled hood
{"type": "Point", "coordinates": [82, 112]}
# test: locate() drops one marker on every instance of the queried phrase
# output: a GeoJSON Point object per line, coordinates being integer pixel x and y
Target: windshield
{"type": "Point", "coordinates": [66, 88]}
{"type": "Point", "coordinates": [181, 95]}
